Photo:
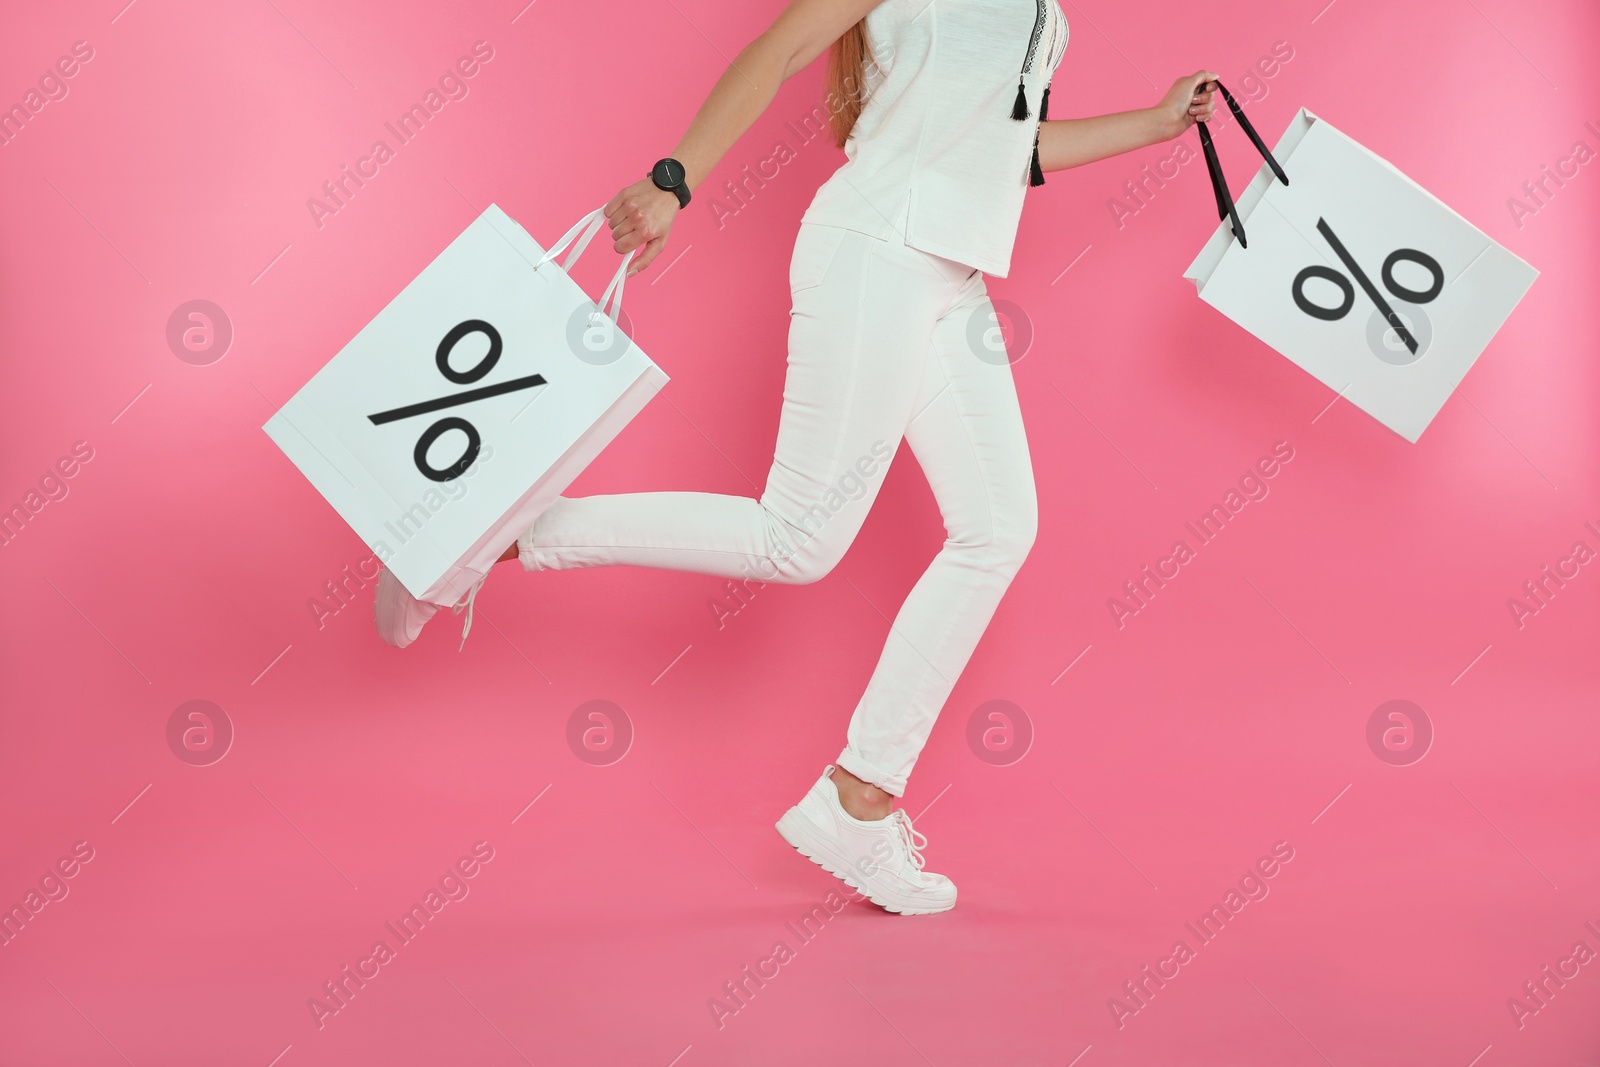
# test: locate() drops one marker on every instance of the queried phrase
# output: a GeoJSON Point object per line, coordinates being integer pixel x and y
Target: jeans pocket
{"type": "Point", "coordinates": [814, 250]}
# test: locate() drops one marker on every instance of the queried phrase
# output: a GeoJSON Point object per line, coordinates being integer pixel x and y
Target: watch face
{"type": "Point", "coordinates": [668, 173]}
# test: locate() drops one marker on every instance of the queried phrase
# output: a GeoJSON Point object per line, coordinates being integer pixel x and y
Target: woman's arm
{"type": "Point", "coordinates": [1068, 143]}
{"type": "Point", "coordinates": [641, 215]}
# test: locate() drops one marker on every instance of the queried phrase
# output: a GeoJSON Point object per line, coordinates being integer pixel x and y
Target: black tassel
{"type": "Point", "coordinates": [1019, 109]}
{"type": "Point", "coordinates": [1035, 173]}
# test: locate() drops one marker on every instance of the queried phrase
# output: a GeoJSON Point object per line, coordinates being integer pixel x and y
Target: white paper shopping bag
{"type": "Point", "coordinates": [1357, 274]}
{"type": "Point", "coordinates": [468, 404]}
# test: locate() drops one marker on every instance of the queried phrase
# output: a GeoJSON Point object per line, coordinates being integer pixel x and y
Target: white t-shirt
{"type": "Point", "coordinates": [936, 151]}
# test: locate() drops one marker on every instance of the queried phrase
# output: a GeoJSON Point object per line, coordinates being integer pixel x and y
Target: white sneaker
{"type": "Point", "coordinates": [401, 616]}
{"type": "Point", "coordinates": [880, 858]}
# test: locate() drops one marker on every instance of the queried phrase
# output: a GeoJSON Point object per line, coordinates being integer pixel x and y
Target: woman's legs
{"type": "Point", "coordinates": [968, 437]}
{"type": "Point", "coordinates": [863, 317]}
{"type": "Point", "coordinates": [878, 350]}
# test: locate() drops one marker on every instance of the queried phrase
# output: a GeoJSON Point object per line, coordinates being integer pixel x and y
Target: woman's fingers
{"type": "Point", "coordinates": [621, 230]}
{"type": "Point", "coordinates": [651, 250]}
{"type": "Point", "coordinates": [1200, 103]}
{"type": "Point", "coordinates": [629, 229]}
{"type": "Point", "coordinates": [637, 222]}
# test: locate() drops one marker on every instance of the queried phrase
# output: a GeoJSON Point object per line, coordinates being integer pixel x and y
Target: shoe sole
{"type": "Point", "coordinates": [385, 603]}
{"type": "Point", "coordinates": [391, 598]}
{"type": "Point", "coordinates": [793, 829]}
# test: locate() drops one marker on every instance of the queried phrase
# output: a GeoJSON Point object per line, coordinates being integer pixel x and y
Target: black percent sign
{"type": "Point", "coordinates": [1399, 255]}
{"type": "Point", "coordinates": [453, 422]}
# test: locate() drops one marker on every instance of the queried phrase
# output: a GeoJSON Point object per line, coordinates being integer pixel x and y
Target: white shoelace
{"type": "Point", "coordinates": [913, 840]}
{"type": "Point", "coordinates": [466, 604]}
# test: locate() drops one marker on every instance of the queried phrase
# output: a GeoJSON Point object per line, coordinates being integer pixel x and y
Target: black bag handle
{"type": "Point", "coordinates": [1219, 185]}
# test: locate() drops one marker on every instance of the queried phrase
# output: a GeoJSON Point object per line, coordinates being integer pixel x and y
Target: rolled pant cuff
{"type": "Point", "coordinates": [527, 552]}
{"type": "Point", "coordinates": [865, 771]}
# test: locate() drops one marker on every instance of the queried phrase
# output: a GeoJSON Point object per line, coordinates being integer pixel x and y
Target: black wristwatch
{"type": "Point", "coordinates": [668, 174]}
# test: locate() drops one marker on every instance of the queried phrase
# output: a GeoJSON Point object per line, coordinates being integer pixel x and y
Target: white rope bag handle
{"type": "Point", "coordinates": [590, 225]}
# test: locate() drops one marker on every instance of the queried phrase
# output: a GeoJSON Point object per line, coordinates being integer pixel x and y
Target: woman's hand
{"type": "Point", "coordinates": [640, 217]}
{"type": "Point", "coordinates": [1186, 103]}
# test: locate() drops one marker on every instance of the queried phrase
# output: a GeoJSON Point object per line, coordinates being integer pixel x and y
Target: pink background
{"type": "Point", "coordinates": [1227, 716]}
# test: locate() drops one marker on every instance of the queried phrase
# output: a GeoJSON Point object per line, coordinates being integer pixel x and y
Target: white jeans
{"type": "Point", "coordinates": [882, 345]}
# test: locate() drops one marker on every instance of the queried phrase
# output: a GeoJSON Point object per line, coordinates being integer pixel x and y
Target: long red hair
{"type": "Point", "coordinates": [847, 65]}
